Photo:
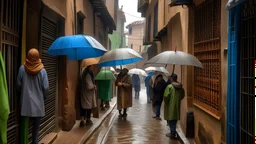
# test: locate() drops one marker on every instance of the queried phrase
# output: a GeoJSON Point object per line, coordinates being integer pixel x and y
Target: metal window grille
{"type": "Point", "coordinates": [247, 57]}
{"type": "Point", "coordinates": [10, 24]}
{"type": "Point", "coordinates": [49, 34]}
{"type": "Point", "coordinates": [207, 90]}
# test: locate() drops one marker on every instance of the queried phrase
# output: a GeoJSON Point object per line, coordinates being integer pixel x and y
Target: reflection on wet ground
{"type": "Point", "coordinates": [138, 128]}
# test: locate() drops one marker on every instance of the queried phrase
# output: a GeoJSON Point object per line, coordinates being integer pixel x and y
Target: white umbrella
{"type": "Point", "coordinates": [138, 72]}
{"type": "Point", "coordinates": [158, 69]}
{"type": "Point", "coordinates": [108, 68]}
{"type": "Point", "coordinates": [120, 56]}
{"type": "Point", "coordinates": [165, 77]}
{"type": "Point", "coordinates": [175, 58]}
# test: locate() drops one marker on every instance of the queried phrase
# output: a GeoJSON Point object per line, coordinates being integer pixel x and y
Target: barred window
{"type": "Point", "coordinates": [207, 83]}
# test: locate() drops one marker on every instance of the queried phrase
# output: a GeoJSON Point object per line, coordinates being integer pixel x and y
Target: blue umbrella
{"type": "Point", "coordinates": [77, 47]}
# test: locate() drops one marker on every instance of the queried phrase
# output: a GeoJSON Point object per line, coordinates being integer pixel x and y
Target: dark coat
{"type": "Point", "coordinates": [159, 90]}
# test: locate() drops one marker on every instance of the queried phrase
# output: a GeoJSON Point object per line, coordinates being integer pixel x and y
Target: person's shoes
{"type": "Point", "coordinates": [81, 123]}
{"type": "Point", "coordinates": [154, 116]}
{"type": "Point", "coordinates": [158, 118]}
{"type": "Point", "coordinates": [172, 136]}
{"type": "Point", "coordinates": [89, 122]}
{"type": "Point", "coordinates": [125, 115]}
{"type": "Point", "coordinates": [102, 108]}
{"type": "Point", "coordinates": [107, 106]}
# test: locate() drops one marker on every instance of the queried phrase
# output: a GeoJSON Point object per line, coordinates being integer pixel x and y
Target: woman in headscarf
{"type": "Point", "coordinates": [124, 91]}
{"type": "Point", "coordinates": [88, 96]}
{"type": "Point", "coordinates": [32, 84]}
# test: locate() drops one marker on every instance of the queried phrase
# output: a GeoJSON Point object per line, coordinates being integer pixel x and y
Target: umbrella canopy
{"type": "Point", "coordinates": [120, 56]}
{"type": "Point", "coordinates": [138, 72]}
{"type": "Point", "coordinates": [77, 47]}
{"type": "Point", "coordinates": [165, 77]}
{"type": "Point", "coordinates": [90, 61]}
{"type": "Point", "coordinates": [108, 68]}
{"type": "Point", "coordinates": [105, 75]}
{"type": "Point", "coordinates": [87, 62]}
{"type": "Point", "coordinates": [175, 58]}
{"type": "Point", "coordinates": [158, 69]}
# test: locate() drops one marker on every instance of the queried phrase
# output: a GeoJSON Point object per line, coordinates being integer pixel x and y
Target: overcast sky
{"type": "Point", "coordinates": [130, 9]}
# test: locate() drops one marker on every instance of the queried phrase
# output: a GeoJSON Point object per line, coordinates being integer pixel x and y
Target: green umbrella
{"type": "Point", "coordinates": [105, 75]}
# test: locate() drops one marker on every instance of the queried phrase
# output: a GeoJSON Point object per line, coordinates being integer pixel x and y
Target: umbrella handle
{"type": "Point", "coordinates": [173, 68]}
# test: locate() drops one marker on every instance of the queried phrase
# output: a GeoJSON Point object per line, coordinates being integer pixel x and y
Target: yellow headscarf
{"type": "Point", "coordinates": [33, 63]}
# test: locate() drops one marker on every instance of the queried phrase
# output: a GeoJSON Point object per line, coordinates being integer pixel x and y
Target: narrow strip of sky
{"type": "Point", "coordinates": [130, 9]}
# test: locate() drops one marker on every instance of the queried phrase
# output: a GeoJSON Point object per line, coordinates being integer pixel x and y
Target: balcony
{"type": "Point", "coordinates": [142, 6]}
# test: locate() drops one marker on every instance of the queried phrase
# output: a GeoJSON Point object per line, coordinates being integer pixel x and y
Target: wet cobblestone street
{"type": "Point", "coordinates": [139, 127]}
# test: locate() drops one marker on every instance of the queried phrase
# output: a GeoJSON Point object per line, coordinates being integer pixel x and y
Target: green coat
{"type": "Point", "coordinates": [104, 89]}
{"type": "Point", "coordinates": [173, 95]}
{"type": "Point", "coordinates": [4, 102]}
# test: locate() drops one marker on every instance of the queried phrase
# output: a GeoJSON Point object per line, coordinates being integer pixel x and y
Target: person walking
{"type": "Point", "coordinates": [88, 95]}
{"type": "Point", "coordinates": [149, 89]}
{"type": "Point", "coordinates": [173, 95]}
{"type": "Point", "coordinates": [33, 85]}
{"type": "Point", "coordinates": [4, 102]}
{"type": "Point", "coordinates": [136, 84]}
{"type": "Point", "coordinates": [124, 92]}
{"type": "Point", "coordinates": [159, 87]}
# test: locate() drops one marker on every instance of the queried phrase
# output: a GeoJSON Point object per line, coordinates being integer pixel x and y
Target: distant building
{"type": "Point", "coordinates": [135, 41]}
{"type": "Point", "coordinates": [117, 38]}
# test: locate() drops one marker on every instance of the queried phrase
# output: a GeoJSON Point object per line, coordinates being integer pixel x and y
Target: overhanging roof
{"type": "Point", "coordinates": [161, 33]}
{"type": "Point", "coordinates": [100, 7]}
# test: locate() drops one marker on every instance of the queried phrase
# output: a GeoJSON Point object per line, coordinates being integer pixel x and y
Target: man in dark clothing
{"type": "Point", "coordinates": [159, 87]}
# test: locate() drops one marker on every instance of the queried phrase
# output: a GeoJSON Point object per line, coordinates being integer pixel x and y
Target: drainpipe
{"type": "Point", "coordinates": [164, 12]}
{"type": "Point", "coordinates": [24, 123]}
{"type": "Point", "coordinates": [75, 32]}
{"type": "Point", "coordinates": [94, 23]}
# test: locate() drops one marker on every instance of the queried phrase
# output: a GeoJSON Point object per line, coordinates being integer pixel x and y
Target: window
{"type": "Point", "coordinates": [247, 57]}
{"type": "Point", "coordinates": [131, 46]}
{"type": "Point", "coordinates": [207, 89]}
{"type": "Point", "coordinates": [80, 23]}
{"type": "Point", "coordinates": [130, 30]}
{"type": "Point", "coordinates": [155, 19]}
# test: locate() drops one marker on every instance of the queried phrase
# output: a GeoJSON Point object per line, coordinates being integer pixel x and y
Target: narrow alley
{"type": "Point", "coordinates": [138, 128]}
{"type": "Point", "coordinates": [66, 66]}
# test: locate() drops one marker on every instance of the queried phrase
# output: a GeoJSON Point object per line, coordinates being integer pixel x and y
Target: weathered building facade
{"type": "Point", "coordinates": [36, 24]}
{"type": "Point", "coordinates": [198, 28]}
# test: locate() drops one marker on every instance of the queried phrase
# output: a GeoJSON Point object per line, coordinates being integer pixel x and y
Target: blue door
{"type": "Point", "coordinates": [233, 77]}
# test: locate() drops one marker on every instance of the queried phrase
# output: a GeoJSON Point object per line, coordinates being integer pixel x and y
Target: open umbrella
{"type": "Point", "coordinates": [105, 75]}
{"type": "Point", "coordinates": [77, 47]}
{"type": "Point", "coordinates": [138, 72]}
{"type": "Point", "coordinates": [87, 62]}
{"type": "Point", "coordinates": [157, 69]}
{"type": "Point", "coordinates": [109, 68]}
{"type": "Point", "coordinates": [120, 56]}
{"type": "Point", "coordinates": [175, 58]}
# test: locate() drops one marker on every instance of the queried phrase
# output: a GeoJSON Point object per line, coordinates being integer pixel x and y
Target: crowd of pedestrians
{"type": "Point", "coordinates": [33, 85]}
